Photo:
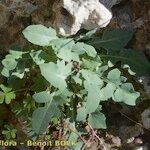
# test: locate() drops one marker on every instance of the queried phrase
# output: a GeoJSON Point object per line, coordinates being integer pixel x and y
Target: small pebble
{"type": "Point", "coordinates": [138, 141]}
{"type": "Point", "coordinates": [139, 148]}
{"type": "Point", "coordinates": [130, 140]}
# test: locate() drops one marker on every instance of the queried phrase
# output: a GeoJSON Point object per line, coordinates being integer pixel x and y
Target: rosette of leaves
{"type": "Point", "coordinates": [71, 80]}
{"type": "Point", "coordinates": [78, 80]}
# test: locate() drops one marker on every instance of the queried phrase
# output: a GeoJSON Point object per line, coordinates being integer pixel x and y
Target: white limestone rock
{"type": "Point", "coordinates": [72, 15]}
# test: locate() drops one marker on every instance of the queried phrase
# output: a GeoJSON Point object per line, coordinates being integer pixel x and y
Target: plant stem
{"type": "Point", "coordinates": [74, 106]}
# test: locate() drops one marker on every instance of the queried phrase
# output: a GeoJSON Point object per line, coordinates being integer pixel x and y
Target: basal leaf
{"type": "Point", "coordinates": [42, 116]}
{"type": "Point", "coordinates": [97, 120]}
{"type": "Point", "coordinates": [40, 119]}
{"type": "Point", "coordinates": [39, 35]}
{"type": "Point", "coordinates": [107, 92]}
{"type": "Point", "coordinates": [9, 63]}
{"type": "Point", "coordinates": [78, 48]}
{"type": "Point", "coordinates": [126, 94]}
{"type": "Point", "coordinates": [90, 50]}
{"type": "Point", "coordinates": [81, 114]}
{"type": "Point", "coordinates": [87, 35]}
{"type": "Point", "coordinates": [68, 56]}
{"type": "Point", "coordinates": [82, 48]}
{"type": "Point", "coordinates": [56, 74]}
{"type": "Point", "coordinates": [135, 59]}
{"type": "Point", "coordinates": [115, 76]}
{"type": "Point", "coordinates": [93, 97]}
{"type": "Point", "coordinates": [16, 54]}
{"type": "Point", "coordinates": [63, 49]}
{"type": "Point", "coordinates": [90, 64]}
{"type": "Point", "coordinates": [91, 77]}
{"type": "Point", "coordinates": [42, 97]}
{"type": "Point", "coordinates": [62, 44]}
{"type": "Point", "coordinates": [92, 84]}
{"type": "Point", "coordinates": [113, 40]}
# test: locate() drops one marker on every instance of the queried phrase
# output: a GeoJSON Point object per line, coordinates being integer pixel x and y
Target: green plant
{"type": "Point", "coordinates": [69, 79]}
{"type": "Point", "coordinates": [9, 132]}
{"type": "Point", "coordinates": [115, 43]}
{"type": "Point", "coordinates": [6, 94]}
